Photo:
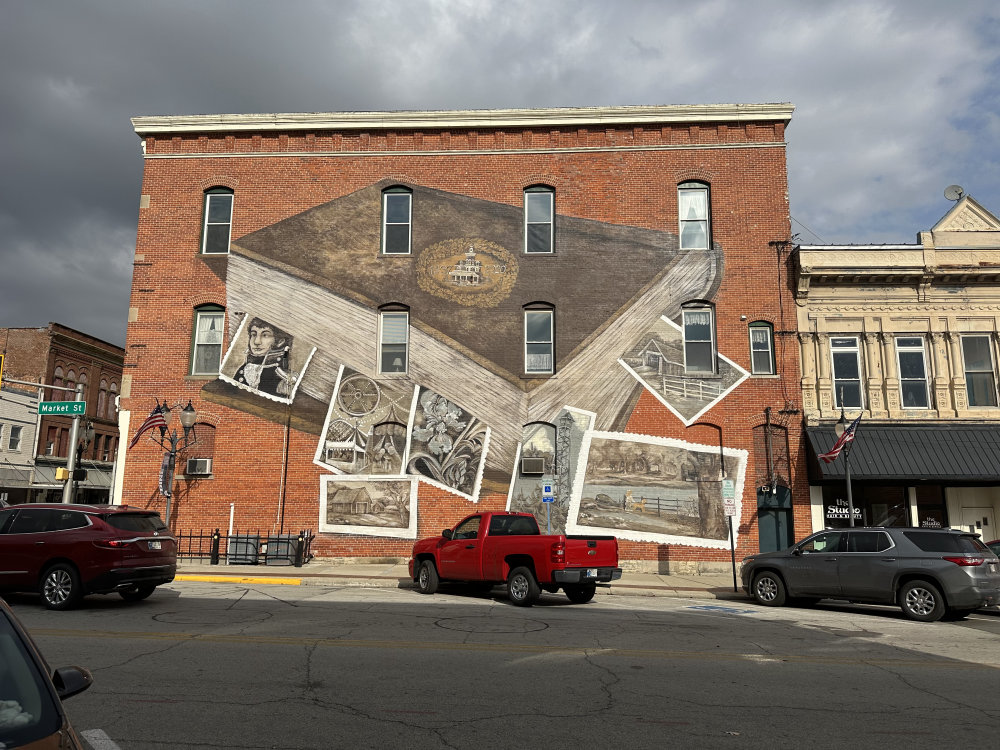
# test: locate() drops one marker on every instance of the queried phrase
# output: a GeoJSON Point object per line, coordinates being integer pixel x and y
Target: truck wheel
{"type": "Point", "coordinates": [522, 588]}
{"type": "Point", "coordinates": [921, 601]}
{"type": "Point", "coordinates": [580, 593]}
{"type": "Point", "coordinates": [60, 587]}
{"type": "Point", "coordinates": [427, 577]}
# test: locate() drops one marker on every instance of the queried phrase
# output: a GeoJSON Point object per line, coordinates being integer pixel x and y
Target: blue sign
{"type": "Point", "coordinates": [547, 496]}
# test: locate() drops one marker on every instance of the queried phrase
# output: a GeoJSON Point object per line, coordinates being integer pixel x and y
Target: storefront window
{"type": "Point", "coordinates": [931, 513]}
{"type": "Point", "coordinates": [874, 505]}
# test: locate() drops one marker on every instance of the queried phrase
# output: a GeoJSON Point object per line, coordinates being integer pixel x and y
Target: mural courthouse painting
{"type": "Point", "coordinates": [387, 321]}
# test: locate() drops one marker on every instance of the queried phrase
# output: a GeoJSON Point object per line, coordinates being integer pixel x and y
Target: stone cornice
{"type": "Point", "coordinates": [483, 118]}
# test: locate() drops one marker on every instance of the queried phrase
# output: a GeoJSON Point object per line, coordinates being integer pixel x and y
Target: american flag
{"type": "Point", "coordinates": [842, 441]}
{"type": "Point", "coordinates": [155, 419]}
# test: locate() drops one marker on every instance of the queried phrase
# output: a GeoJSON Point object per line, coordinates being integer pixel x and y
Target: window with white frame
{"type": "Point", "coordinates": [206, 354]}
{"type": "Point", "coordinates": [980, 380]}
{"type": "Point", "coordinates": [692, 210]}
{"type": "Point", "coordinates": [699, 340]}
{"type": "Point", "coordinates": [218, 224]}
{"type": "Point", "coordinates": [397, 208]}
{"type": "Point", "coordinates": [538, 342]}
{"type": "Point", "coordinates": [539, 215]}
{"type": "Point", "coordinates": [845, 354]}
{"type": "Point", "coordinates": [762, 348]}
{"type": "Point", "coordinates": [912, 372]}
{"type": "Point", "coordinates": [14, 433]}
{"type": "Point", "coordinates": [394, 341]}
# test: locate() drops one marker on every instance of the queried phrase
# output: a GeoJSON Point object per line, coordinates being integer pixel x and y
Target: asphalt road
{"type": "Point", "coordinates": [206, 665]}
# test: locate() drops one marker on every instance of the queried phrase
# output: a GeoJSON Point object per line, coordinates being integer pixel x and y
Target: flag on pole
{"type": "Point", "coordinates": [842, 442]}
{"type": "Point", "coordinates": [155, 419]}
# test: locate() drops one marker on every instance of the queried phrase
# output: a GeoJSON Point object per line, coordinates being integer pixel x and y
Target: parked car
{"type": "Point", "coordinates": [927, 572]}
{"type": "Point", "coordinates": [493, 548]}
{"type": "Point", "coordinates": [66, 551]}
{"type": "Point", "coordinates": [31, 711]}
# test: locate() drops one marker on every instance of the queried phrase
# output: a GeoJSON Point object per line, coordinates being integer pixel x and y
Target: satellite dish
{"type": "Point", "coordinates": [953, 192]}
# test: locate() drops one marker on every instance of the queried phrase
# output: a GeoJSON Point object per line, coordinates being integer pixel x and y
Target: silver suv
{"type": "Point", "coordinates": [927, 572]}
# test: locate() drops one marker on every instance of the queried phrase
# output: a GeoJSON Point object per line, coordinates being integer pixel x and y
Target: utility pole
{"type": "Point", "coordinates": [74, 436]}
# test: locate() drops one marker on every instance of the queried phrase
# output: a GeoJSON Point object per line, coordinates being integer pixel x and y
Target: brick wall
{"type": "Point", "coordinates": [278, 175]}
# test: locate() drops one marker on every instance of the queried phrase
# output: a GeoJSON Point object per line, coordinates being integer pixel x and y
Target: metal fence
{"type": "Point", "coordinates": [245, 548]}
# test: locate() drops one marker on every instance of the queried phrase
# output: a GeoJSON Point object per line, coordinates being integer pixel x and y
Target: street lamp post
{"type": "Point", "coordinates": [839, 428]}
{"type": "Point", "coordinates": [81, 446]}
{"type": "Point", "coordinates": [173, 443]}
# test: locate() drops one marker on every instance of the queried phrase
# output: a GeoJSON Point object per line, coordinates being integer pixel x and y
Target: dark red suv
{"type": "Point", "coordinates": [66, 551]}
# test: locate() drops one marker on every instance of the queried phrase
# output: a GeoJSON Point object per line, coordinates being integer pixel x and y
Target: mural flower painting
{"type": "Point", "coordinates": [440, 416]}
{"type": "Point", "coordinates": [447, 443]}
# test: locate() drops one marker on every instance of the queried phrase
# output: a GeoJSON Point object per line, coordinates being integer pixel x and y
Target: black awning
{"type": "Point", "coordinates": [954, 453]}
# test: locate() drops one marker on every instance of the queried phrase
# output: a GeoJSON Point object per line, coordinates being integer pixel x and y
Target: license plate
{"type": "Point", "coordinates": [591, 572]}
{"type": "Point", "coordinates": [154, 545]}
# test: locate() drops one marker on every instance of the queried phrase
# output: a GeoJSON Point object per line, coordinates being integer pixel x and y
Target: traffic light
{"type": "Point", "coordinates": [79, 475]}
{"type": "Point", "coordinates": [62, 474]}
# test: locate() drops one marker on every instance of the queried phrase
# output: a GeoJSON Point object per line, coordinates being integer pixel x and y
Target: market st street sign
{"type": "Point", "coordinates": [70, 408]}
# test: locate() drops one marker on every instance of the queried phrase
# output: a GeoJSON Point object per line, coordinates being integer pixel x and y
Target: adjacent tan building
{"type": "Point", "coordinates": [908, 336]}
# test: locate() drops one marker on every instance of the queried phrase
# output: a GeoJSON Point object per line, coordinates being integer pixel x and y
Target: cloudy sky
{"type": "Point", "coordinates": [894, 101]}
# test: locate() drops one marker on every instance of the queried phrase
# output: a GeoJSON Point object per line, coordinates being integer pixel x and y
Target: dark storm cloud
{"type": "Point", "coordinates": [894, 101]}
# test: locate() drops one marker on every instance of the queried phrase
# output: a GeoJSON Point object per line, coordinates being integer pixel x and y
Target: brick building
{"type": "Point", "coordinates": [387, 321]}
{"type": "Point", "coordinates": [61, 356]}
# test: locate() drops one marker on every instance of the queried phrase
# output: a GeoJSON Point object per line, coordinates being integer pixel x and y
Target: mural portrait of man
{"type": "Point", "coordinates": [266, 366]}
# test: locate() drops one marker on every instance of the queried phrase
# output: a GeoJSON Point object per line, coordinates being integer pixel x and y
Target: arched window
{"type": "Point", "coordinates": [762, 348]}
{"type": "Point", "coordinates": [397, 208]}
{"type": "Point", "coordinates": [102, 399]}
{"type": "Point", "coordinates": [693, 215]}
{"type": "Point", "coordinates": [112, 408]}
{"type": "Point", "coordinates": [82, 380]}
{"type": "Point", "coordinates": [699, 337]}
{"type": "Point", "coordinates": [207, 337]}
{"type": "Point", "coordinates": [70, 383]}
{"type": "Point", "coordinates": [539, 219]}
{"type": "Point", "coordinates": [57, 381]}
{"type": "Point", "coordinates": [218, 222]}
{"type": "Point", "coordinates": [539, 338]}
{"type": "Point", "coordinates": [393, 338]}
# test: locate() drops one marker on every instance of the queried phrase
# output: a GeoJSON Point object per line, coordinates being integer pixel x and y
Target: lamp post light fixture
{"type": "Point", "coordinates": [840, 428]}
{"type": "Point", "coordinates": [173, 443]}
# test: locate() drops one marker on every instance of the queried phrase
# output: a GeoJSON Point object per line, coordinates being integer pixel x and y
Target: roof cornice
{"type": "Point", "coordinates": [473, 118]}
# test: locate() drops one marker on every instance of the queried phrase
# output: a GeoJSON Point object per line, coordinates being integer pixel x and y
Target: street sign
{"type": "Point", "coordinates": [547, 494]}
{"type": "Point", "coordinates": [729, 497]}
{"type": "Point", "coordinates": [70, 408]}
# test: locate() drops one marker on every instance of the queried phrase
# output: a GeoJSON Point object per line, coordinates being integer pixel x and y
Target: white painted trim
{"type": "Point", "coordinates": [488, 118]}
{"type": "Point", "coordinates": [487, 151]}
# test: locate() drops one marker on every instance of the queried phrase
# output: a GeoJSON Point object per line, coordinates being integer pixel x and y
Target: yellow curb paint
{"type": "Point", "coordinates": [240, 579]}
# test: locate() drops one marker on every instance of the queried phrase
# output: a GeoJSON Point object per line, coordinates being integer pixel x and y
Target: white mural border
{"type": "Point", "coordinates": [410, 532]}
{"type": "Point", "coordinates": [647, 536]}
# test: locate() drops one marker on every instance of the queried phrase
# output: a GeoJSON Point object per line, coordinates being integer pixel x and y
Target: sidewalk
{"type": "Point", "coordinates": [321, 573]}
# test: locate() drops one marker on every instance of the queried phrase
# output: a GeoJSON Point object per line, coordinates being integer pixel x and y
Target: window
{"type": "Point", "coordinates": [538, 342]}
{"type": "Point", "coordinates": [218, 221]}
{"type": "Point", "coordinates": [699, 340]}
{"type": "Point", "coordinates": [396, 215]}
{"type": "Point", "coordinates": [539, 210]}
{"type": "Point", "coordinates": [762, 348]}
{"type": "Point", "coordinates": [207, 352]}
{"type": "Point", "coordinates": [846, 372]}
{"type": "Point", "coordinates": [14, 437]}
{"type": "Point", "coordinates": [692, 209]}
{"type": "Point", "coordinates": [70, 383]}
{"type": "Point", "coordinates": [57, 381]}
{"type": "Point", "coordinates": [826, 542]}
{"type": "Point", "coordinates": [912, 372]}
{"type": "Point", "coordinates": [393, 334]}
{"type": "Point", "coordinates": [468, 529]}
{"type": "Point", "coordinates": [102, 398]}
{"type": "Point", "coordinates": [979, 379]}
{"type": "Point", "coordinates": [868, 541]}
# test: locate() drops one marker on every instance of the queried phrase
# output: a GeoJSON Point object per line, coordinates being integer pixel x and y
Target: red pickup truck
{"type": "Point", "coordinates": [492, 548]}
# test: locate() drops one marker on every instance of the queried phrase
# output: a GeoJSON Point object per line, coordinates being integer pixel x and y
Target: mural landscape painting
{"type": "Point", "coordinates": [350, 505]}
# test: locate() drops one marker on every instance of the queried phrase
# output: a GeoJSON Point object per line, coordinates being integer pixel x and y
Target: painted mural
{"type": "Point", "coordinates": [557, 445]}
{"type": "Point", "coordinates": [656, 360]}
{"type": "Point", "coordinates": [655, 489]}
{"type": "Point", "coordinates": [463, 418]}
{"type": "Point", "coordinates": [366, 426]}
{"type": "Point", "coordinates": [447, 444]}
{"type": "Point", "coordinates": [355, 505]}
{"type": "Point", "coordinates": [263, 360]}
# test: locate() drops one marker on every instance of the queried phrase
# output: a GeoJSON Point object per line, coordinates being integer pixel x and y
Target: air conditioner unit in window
{"type": "Point", "coordinates": [199, 466]}
{"type": "Point", "coordinates": [532, 465]}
